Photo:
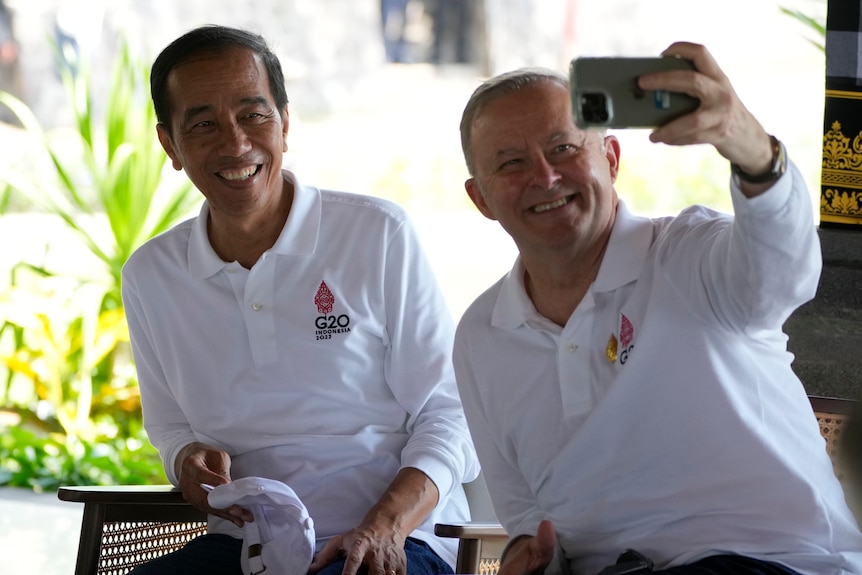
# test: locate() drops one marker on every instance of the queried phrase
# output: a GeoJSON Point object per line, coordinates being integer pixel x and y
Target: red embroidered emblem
{"type": "Point", "coordinates": [323, 299]}
{"type": "Point", "coordinates": [627, 331]}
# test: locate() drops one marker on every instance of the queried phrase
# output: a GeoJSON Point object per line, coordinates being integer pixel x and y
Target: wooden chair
{"type": "Point", "coordinates": [482, 540]}
{"type": "Point", "coordinates": [832, 414]}
{"type": "Point", "coordinates": [126, 526]}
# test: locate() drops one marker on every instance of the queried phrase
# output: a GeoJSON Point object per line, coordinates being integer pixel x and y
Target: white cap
{"type": "Point", "coordinates": [280, 540]}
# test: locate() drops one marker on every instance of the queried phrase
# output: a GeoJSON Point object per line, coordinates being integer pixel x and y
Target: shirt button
{"type": "Point", "coordinates": [572, 348]}
{"type": "Point", "coordinates": [256, 306]}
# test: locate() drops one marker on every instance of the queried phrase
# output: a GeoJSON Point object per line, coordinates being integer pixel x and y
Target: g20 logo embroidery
{"type": "Point", "coordinates": [627, 335]}
{"type": "Point", "coordinates": [624, 354]}
{"type": "Point", "coordinates": [328, 324]}
{"type": "Point", "coordinates": [621, 350]}
{"type": "Point", "coordinates": [331, 321]}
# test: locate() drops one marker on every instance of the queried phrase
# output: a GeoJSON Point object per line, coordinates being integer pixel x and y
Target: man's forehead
{"type": "Point", "coordinates": [545, 128]}
{"type": "Point", "coordinates": [206, 77]}
{"type": "Point", "coordinates": [527, 104]}
{"type": "Point", "coordinates": [218, 55]}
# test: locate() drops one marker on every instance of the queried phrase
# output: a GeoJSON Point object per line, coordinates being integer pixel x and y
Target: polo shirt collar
{"type": "Point", "coordinates": [298, 237]}
{"type": "Point", "coordinates": [630, 242]}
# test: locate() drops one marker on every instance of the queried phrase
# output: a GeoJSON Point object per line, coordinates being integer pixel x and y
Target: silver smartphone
{"type": "Point", "coordinates": [605, 93]}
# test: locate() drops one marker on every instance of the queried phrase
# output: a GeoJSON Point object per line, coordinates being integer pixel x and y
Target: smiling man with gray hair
{"type": "Point", "coordinates": [627, 384]}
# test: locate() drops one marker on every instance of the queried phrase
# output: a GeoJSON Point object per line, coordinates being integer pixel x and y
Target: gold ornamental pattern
{"type": "Point", "coordinates": [841, 177]}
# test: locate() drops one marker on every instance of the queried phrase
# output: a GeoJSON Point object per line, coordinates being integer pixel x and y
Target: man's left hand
{"type": "Point", "coordinates": [721, 119]}
{"type": "Point", "coordinates": [379, 547]}
{"type": "Point", "coordinates": [378, 541]}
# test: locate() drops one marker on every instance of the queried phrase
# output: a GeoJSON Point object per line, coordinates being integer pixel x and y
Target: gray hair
{"type": "Point", "coordinates": [494, 88]}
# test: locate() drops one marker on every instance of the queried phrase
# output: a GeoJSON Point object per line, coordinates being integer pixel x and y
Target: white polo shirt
{"type": "Point", "coordinates": [327, 365]}
{"type": "Point", "coordinates": [664, 416]}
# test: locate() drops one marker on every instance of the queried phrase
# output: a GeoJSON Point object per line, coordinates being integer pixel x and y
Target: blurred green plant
{"type": "Point", "coordinates": [5, 197]}
{"type": "Point", "coordinates": [69, 403]}
{"type": "Point", "coordinates": [817, 24]}
{"type": "Point", "coordinates": [45, 462]}
{"type": "Point", "coordinates": [112, 167]}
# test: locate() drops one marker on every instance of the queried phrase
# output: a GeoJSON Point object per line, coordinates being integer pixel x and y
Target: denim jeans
{"type": "Point", "coordinates": [218, 554]}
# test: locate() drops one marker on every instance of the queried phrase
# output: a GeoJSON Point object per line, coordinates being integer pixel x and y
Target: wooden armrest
{"type": "Point", "coordinates": [832, 405]}
{"type": "Point", "coordinates": [136, 494]}
{"type": "Point", "coordinates": [471, 530]}
{"type": "Point", "coordinates": [480, 545]}
{"type": "Point", "coordinates": [162, 503]}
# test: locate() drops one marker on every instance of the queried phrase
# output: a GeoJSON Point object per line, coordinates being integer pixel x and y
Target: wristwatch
{"type": "Point", "coordinates": [779, 166]}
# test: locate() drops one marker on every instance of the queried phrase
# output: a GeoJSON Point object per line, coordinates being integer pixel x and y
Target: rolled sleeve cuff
{"type": "Point", "coordinates": [772, 200]}
{"type": "Point", "coordinates": [437, 471]}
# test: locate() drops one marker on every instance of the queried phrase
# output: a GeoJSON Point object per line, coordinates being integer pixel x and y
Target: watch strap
{"type": "Point", "coordinates": [776, 170]}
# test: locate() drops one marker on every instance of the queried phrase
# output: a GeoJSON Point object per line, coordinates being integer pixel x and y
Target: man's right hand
{"type": "Point", "coordinates": [199, 463]}
{"type": "Point", "coordinates": [530, 555]}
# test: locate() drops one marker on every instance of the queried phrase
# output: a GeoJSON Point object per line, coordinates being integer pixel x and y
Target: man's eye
{"type": "Point", "coordinates": [202, 125]}
{"type": "Point", "coordinates": [256, 116]}
{"type": "Point", "coordinates": [510, 163]}
{"type": "Point", "coordinates": [565, 148]}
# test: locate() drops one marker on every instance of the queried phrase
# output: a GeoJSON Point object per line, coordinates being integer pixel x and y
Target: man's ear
{"type": "Point", "coordinates": [285, 124]}
{"type": "Point", "coordinates": [612, 153]}
{"type": "Point", "coordinates": [472, 187]}
{"type": "Point", "coordinates": [168, 146]}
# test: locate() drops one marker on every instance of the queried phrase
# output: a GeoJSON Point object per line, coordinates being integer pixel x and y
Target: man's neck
{"type": "Point", "coordinates": [244, 240]}
{"type": "Point", "coordinates": [557, 285]}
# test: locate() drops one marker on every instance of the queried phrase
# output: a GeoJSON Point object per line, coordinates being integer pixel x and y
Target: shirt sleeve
{"type": "Point", "coordinates": [418, 366]}
{"type": "Point", "coordinates": [513, 499]}
{"type": "Point", "coordinates": [166, 425]}
{"type": "Point", "coordinates": [752, 270]}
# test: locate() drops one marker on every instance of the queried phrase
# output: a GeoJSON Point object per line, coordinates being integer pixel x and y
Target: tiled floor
{"type": "Point", "coordinates": [38, 532]}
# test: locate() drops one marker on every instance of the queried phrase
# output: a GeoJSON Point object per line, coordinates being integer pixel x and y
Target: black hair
{"type": "Point", "coordinates": [210, 39]}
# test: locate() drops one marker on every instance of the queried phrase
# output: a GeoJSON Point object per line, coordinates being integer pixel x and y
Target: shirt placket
{"type": "Point", "coordinates": [573, 363]}
{"type": "Point", "coordinates": [256, 296]}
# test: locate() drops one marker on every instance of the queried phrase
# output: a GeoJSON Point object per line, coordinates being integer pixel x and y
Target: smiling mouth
{"type": "Point", "coordinates": [551, 205]}
{"type": "Point", "coordinates": [239, 175]}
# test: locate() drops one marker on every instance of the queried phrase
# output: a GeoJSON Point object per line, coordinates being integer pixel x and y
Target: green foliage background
{"type": "Point", "coordinates": [69, 405]}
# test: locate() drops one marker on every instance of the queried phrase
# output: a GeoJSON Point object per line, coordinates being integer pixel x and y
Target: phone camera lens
{"type": "Point", "coordinates": [594, 108]}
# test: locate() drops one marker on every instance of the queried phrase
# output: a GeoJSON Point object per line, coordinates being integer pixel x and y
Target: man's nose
{"type": "Point", "coordinates": [234, 140]}
{"type": "Point", "coordinates": [544, 174]}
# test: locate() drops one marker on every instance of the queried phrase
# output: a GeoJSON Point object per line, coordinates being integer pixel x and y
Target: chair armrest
{"type": "Point", "coordinates": [471, 530]}
{"type": "Point", "coordinates": [161, 503]}
{"type": "Point", "coordinates": [832, 405]}
{"type": "Point", "coordinates": [142, 494]}
{"type": "Point", "coordinates": [134, 509]}
{"type": "Point", "coordinates": [480, 545]}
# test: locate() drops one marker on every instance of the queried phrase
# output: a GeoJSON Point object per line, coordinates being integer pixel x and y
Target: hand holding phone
{"type": "Point", "coordinates": [605, 92]}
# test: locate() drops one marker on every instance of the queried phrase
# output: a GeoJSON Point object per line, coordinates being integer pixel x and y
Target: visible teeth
{"type": "Point", "coordinates": [240, 175]}
{"type": "Point", "coordinates": [550, 205]}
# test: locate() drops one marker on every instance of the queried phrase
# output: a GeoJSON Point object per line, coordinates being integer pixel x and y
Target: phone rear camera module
{"type": "Point", "coordinates": [594, 108]}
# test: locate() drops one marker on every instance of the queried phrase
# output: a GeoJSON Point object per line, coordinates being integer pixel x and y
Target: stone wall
{"type": "Point", "coordinates": [825, 334]}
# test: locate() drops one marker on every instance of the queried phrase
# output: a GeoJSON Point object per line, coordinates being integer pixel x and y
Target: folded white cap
{"type": "Point", "coordinates": [280, 540]}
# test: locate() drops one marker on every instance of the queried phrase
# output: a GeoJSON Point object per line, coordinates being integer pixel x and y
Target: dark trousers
{"type": "Point", "coordinates": [728, 565]}
{"type": "Point", "coordinates": [218, 554]}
